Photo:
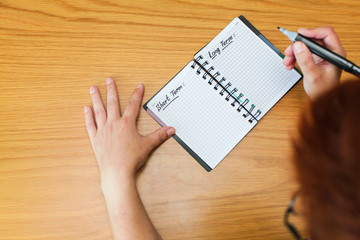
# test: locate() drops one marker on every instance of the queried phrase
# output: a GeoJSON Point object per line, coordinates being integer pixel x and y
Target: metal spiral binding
{"type": "Point", "coordinates": [245, 115]}
{"type": "Point", "coordinates": [230, 94]}
{"type": "Point", "coordinates": [226, 88]}
{"type": "Point", "coordinates": [197, 60]}
{"type": "Point", "coordinates": [214, 77]}
{"type": "Point", "coordinates": [236, 100]}
{"type": "Point", "coordinates": [221, 81]}
{"type": "Point", "coordinates": [208, 71]}
{"type": "Point", "coordinates": [243, 105]}
{"type": "Point", "coordinates": [200, 68]}
{"type": "Point", "coordinates": [258, 112]}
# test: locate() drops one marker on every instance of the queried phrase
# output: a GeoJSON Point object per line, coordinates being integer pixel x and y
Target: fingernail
{"type": "Point", "coordinates": [299, 47]}
{"type": "Point", "coordinates": [85, 109]}
{"type": "Point", "coordinates": [108, 81]}
{"type": "Point", "coordinates": [170, 132]}
{"type": "Point", "coordinates": [92, 90]}
{"type": "Point", "coordinates": [139, 86]}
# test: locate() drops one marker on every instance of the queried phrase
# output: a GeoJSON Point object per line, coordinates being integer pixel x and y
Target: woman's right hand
{"type": "Point", "coordinates": [319, 75]}
{"type": "Point", "coordinates": [119, 148]}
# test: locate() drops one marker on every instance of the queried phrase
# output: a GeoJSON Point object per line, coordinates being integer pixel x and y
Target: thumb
{"type": "Point", "coordinates": [305, 60]}
{"type": "Point", "coordinates": [160, 135]}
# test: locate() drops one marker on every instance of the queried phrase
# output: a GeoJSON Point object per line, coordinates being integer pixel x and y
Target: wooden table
{"type": "Point", "coordinates": [51, 52]}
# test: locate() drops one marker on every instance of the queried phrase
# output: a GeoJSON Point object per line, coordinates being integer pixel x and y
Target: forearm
{"type": "Point", "coordinates": [120, 151]}
{"type": "Point", "coordinates": [128, 217]}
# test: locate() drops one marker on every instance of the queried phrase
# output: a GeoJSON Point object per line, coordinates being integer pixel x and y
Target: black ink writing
{"type": "Point", "coordinates": [175, 91]}
{"type": "Point", "coordinates": [213, 54]}
{"type": "Point", "coordinates": [169, 98]}
{"type": "Point", "coordinates": [162, 104]}
{"type": "Point", "coordinates": [227, 42]}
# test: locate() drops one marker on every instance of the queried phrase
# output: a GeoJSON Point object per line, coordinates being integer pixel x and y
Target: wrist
{"type": "Point", "coordinates": [112, 181]}
{"type": "Point", "coordinates": [110, 173]}
{"type": "Point", "coordinates": [117, 189]}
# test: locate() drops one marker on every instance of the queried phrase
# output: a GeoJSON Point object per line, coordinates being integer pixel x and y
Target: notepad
{"type": "Point", "coordinates": [219, 96]}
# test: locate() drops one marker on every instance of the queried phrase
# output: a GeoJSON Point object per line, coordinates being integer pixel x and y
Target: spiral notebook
{"type": "Point", "coordinates": [219, 96]}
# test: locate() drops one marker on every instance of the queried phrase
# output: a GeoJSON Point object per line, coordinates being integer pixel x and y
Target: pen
{"type": "Point", "coordinates": [323, 52]}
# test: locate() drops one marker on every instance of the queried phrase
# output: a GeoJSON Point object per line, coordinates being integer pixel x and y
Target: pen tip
{"type": "Point", "coordinates": [278, 27]}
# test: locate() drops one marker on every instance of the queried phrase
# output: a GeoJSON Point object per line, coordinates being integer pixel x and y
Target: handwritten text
{"type": "Point", "coordinates": [169, 98]}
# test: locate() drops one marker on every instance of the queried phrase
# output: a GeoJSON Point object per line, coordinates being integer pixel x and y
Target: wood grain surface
{"type": "Point", "coordinates": [51, 52]}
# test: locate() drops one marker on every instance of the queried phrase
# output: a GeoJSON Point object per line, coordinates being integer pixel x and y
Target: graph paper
{"type": "Point", "coordinates": [250, 65]}
{"type": "Point", "coordinates": [203, 120]}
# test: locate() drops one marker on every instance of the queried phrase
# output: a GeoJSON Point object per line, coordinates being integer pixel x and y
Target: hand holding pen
{"type": "Point", "coordinates": [319, 75]}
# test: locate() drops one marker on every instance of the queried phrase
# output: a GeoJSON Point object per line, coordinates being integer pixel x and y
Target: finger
{"type": "Point", "coordinates": [289, 51]}
{"type": "Point", "coordinates": [160, 135]}
{"type": "Point", "coordinates": [327, 35]}
{"type": "Point", "coordinates": [90, 122]}
{"type": "Point", "coordinates": [290, 67]}
{"type": "Point", "coordinates": [100, 113]}
{"type": "Point", "coordinates": [132, 108]}
{"type": "Point", "coordinates": [317, 59]}
{"type": "Point", "coordinates": [289, 61]}
{"type": "Point", "coordinates": [305, 59]}
{"type": "Point", "coordinates": [113, 107]}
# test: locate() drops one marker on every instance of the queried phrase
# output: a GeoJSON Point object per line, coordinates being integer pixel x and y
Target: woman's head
{"type": "Point", "coordinates": [327, 159]}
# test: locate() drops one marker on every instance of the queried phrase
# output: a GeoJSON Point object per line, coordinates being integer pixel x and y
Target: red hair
{"type": "Point", "coordinates": [327, 161]}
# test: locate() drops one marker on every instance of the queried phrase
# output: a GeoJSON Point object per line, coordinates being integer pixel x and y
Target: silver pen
{"type": "Point", "coordinates": [323, 52]}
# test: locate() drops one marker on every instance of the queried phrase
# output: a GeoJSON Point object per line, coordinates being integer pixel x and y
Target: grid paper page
{"type": "Point", "coordinates": [250, 65]}
{"type": "Point", "coordinates": [203, 120]}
